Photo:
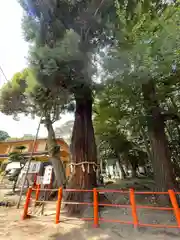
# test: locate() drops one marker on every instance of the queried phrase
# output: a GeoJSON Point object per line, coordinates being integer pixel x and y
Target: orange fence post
{"type": "Point", "coordinates": [133, 206]}
{"type": "Point", "coordinates": [26, 205]}
{"type": "Point", "coordinates": [58, 206]}
{"type": "Point", "coordinates": [174, 203]}
{"type": "Point", "coordinates": [37, 192]}
{"type": "Point", "coordinates": [95, 203]}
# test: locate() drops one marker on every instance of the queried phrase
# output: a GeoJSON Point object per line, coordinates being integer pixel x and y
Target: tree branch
{"type": "Point", "coordinates": [171, 116]}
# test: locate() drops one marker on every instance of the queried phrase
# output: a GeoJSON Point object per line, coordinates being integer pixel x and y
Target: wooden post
{"type": "Point", "coordinates": [26, 205]}
{"type": "Point", "coordinates": [37, 192]}
{"type": "Point", "coordinates": [133, 206]}
{"type": "Point", "coordinates": [58, 206]}
{"type": "Point", "coordinates": [174, 203]}
{"type": "Point", "coordinates": [95, 203]}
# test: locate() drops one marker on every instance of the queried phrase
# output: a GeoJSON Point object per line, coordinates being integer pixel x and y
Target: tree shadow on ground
{"type": "Point", "coordinates": [167, 233]}
{"type": "Point", "coordinates": [86, 232]}
{"type": "Point", "coordinates": [81, 235]}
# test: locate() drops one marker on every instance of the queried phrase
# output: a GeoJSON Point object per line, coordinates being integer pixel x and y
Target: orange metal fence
{"type": "Point", "coordinates": [96, 219]}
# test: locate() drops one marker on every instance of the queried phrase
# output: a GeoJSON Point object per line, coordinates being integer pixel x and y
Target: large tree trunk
{"type": "Point", "coordinates": [54, 155]}
{"type": "Point", "coordinates": [83, 150]}
{"type": "Point", "coordinates": [163, 172]}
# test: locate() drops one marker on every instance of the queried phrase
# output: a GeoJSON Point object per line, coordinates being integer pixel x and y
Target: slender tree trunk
{"type": "Point", "coordinates": [163, 172]}
{"type": "Point", "coordinates": [132, 163]}
{"type": "Point", "coordinates": [123, 174]}
{"type": "Point", "coordinates": [54, 155]}
{"type": "Point", "coordinates": [83, 150]}
{"type": "Point", "coordinates": [120, 167]}
{"type": "Point", "coordinates": [134, 167]}
{"type": "Point", "coordinates": [14, 184]}
{"type": "Point", "coordinates": [134, 173]}
{"type": "Point", "coordinates": [145, 139]}
{"type": "Point", "coordinates": [126, 168]}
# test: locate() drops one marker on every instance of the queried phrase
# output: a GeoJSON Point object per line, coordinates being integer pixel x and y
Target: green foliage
{"type": "Point", "coordinates": [149, 45]}
{"type": "Point", "coordinates": [117, 124]}
{"type": "Point", "coordinates": [17, 156]}
{"type": "Point", "coordinates": [24, 95]}
{"type": "Point", "coordinates": [67, 37]}
{"type": "Point", "coordinates": [147, 49]}
{"type": "Point", "coordinates": [3, 135]}
{"type": "Point", "coordinates": [12, 98]}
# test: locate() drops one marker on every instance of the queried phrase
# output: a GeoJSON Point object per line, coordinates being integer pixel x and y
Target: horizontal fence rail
{"type": "Point", "coordinates": [95, 204]}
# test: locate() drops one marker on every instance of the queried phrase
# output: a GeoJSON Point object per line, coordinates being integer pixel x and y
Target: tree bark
{"type": "Point", "coordinates": [120, 167]}
{"type": "Point", "coordinates": [163, 172]}
{"type": "Point", "coordinates": [146, 144]}
{"type": "Point", "coordinates": [14, 184]}
{"type": "Point", "coordinates": [123, 174]}
{"type": "Point", "coordinates": [134, 167]}
{"type": "Point", "coordinates": [54, 155]}
{"type": "Point", "coordinates": [134, 173]}
{"type": "Point", "coordinates": [132, 162]}
{"type": "Point", "coordinates": [83, 150]}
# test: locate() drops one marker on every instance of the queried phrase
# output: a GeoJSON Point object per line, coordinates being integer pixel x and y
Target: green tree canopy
{"type": "Point", "coordinates": [23, 94]}
{"type": "Point", "coordinates": [3, 135]}
{"type": "Point", "coordinates": [145, 60]}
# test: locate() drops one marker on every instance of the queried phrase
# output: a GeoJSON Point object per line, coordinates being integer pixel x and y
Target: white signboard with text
{"type": "Point", "coordinates": [39, 180]}
{"type": "Point", "coordinates": [34, 167]}
{"type": "Point", "coordinates": [47, 175]}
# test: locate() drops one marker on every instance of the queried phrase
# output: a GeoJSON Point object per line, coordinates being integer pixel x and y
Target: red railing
{"type": "Point", "coordinates": [96, 219]}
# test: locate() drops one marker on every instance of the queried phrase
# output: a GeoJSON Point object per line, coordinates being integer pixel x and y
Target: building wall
{"type": "Point", "coordinates": [7, 147]}
{"type": "Point", "coordinates": [4, 148]}
{"type": "Point", "coordinates": [13, 146]}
